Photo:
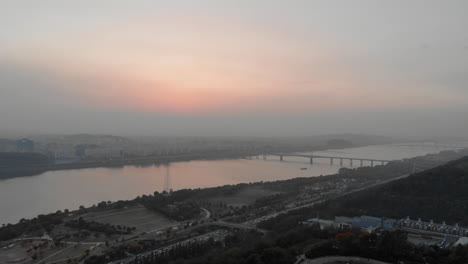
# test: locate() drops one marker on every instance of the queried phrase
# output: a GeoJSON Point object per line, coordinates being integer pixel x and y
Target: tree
{"type": "Point", "coordinates": [393, 244]}
{"type": "Point", "coordinates": [274, 256]}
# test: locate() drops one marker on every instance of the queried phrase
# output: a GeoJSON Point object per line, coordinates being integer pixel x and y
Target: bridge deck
{"type": "Point", "coordinates": [328, 157]}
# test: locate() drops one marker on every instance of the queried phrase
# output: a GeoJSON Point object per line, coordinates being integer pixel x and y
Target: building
{"type": "Point", "coordinates": [430, 226]}
{"type": "Point", "coordinates": [369, 223]}
{"type": "Point", "coordinates": [102, 152]}
{"type": "Point", "coordinates": [24, 145]}
{"type": "Point", "coordinates": [324, 224]}
{"type": "Point", "coordinates": [7, 145]}
{"type": "Point", "coordinates": [344, 222]}
{"type": "Point", "coordinates": [374, 222]}
{"type": "Point", "coordinates": [454, 234]}
{"type": "Point", "coordinates": [462, 241]}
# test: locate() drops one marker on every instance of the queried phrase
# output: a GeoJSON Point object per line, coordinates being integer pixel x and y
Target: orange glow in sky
{"type": "Point", "coordinates": [193, 64]}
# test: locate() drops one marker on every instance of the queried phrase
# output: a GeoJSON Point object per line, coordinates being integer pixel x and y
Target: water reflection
{"type": "Point", "coordinates": [28, 196]}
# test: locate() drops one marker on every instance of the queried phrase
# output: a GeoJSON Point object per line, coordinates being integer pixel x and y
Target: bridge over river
{"type": "Point", "coordinates": [332, 159]}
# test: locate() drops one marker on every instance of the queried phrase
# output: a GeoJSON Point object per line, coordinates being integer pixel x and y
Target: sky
{"type": "Point", "coordinates": [234, 67]}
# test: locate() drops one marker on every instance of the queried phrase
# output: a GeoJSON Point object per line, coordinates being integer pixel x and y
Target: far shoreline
{"type": "Point", "coordinates": [35, 170]}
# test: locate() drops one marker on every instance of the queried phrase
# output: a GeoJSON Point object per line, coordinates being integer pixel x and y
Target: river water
{"type": "Point", "coordinates": [26, 197]}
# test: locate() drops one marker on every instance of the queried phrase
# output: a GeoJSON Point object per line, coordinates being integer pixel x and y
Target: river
{"type": "Point", "coordinates": [26, 197]}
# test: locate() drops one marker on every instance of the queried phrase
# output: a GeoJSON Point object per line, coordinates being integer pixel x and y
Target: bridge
{"type": "Point", "coordinates": [311, 158]}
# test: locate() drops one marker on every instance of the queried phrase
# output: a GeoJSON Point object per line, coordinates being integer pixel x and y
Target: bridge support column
{"type": "Point", "coordinates": [281, 157]}
{"type": "Point", "coordinates": [350, 162]}
{"type": "Point", "coordinates": [362, 163]}
{"type": "Point", "coordinates": [372, 163]}
{"type": "Point", "coordinates": [383, 162]}
{"type": "Point", "coordinates": [311, 160]}
{"type": "Point", "coordinates": [341, 162]}
{"type": "Point", "coordinates": [331, 161]}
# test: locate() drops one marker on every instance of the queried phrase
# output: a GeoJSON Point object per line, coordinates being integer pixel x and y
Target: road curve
{"type": "Point", "coordinates": [331, 259]}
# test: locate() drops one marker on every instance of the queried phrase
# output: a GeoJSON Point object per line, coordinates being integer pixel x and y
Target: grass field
{"type": "Point", "coordinates": [246, 196]}
{"type": "Point", "coordinates": [137, 216]}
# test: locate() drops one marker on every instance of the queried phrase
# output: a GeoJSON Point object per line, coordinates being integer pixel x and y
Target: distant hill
{"type": "Point", "coordinates": [339, 143]}
{"type": "Point", "coordinates": [96, 139]}
{"type": "Point", "coordinates": [440, 194]}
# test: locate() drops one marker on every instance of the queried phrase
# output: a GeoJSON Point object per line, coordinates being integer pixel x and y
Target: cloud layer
{"type": "Point", "coordinates": [190, 67]}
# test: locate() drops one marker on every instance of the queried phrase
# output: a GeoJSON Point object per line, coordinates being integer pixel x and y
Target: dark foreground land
{"type": "Point", "coordinates": [253, 223]}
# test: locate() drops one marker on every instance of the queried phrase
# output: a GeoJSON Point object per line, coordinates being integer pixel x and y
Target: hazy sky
{"type": "Point", "coordinates": [393, 67]}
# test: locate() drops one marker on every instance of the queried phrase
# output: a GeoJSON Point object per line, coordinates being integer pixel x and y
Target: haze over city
{"type": "Point", "coordinates": [234, 68]}
{"type": "Point", "coordinates": [234, 132]}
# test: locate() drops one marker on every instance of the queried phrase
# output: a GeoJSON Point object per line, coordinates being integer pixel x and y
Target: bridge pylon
{"type": "Point", "coordinates": [167, 181]}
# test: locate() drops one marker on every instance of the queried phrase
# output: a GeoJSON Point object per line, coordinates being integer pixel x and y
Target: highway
{"type": "Point", "coordinates": [217, 235]}
{"type": "Point", "coordinates": [333, 259]}
{"type": "Point", "coordinates": [208, 213]}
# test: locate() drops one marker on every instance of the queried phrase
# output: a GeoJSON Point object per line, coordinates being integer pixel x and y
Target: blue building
{"type": "Point", "coordinates": [374, 222]}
